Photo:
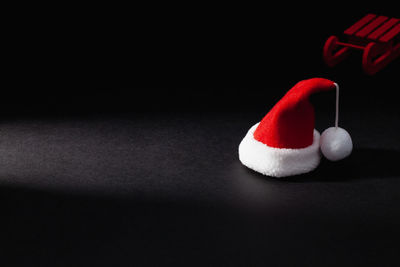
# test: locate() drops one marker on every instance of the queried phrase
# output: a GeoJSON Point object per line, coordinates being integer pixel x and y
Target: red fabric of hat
{"type": "Point", "coordinates": [290, 123]}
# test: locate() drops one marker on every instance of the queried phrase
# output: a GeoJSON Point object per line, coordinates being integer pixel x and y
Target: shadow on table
{"type": "Point", "coordinates": [363, 163]}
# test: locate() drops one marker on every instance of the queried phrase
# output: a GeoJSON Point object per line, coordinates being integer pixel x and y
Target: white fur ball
{"type": "Point", "coordinates": [336, 143]}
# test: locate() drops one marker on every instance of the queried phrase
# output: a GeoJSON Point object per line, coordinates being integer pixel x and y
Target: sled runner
{"type": "Point", "coordinates": [377, 36]}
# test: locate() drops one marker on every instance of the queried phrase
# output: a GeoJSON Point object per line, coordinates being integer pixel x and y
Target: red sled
{"type": "Point", "coordinates": [377, 36]}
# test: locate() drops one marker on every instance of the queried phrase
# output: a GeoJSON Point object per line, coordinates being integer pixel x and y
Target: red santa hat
{"type": "Point", "coordinates": [285, 142]}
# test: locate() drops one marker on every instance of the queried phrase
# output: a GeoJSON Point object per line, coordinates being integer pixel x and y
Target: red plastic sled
{"type": "Point", "coordinates": [377, 36]}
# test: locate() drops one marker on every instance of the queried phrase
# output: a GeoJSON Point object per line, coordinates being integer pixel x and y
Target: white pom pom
{"type": "Point", "coordinates": [336, 143]}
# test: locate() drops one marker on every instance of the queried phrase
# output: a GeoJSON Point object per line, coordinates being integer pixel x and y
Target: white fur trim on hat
{"type": "Point", "coordinates": [278, 162]}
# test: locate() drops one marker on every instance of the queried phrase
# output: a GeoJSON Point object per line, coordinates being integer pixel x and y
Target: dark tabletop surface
{"type": "Point", "coordinates": [169, 188]}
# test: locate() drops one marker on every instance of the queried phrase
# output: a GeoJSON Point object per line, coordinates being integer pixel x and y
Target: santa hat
{"type": "Point", "coordinates": [285, 142]}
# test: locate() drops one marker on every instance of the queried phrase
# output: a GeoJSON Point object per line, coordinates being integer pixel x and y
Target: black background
{"type": "Point", "coordinates": [120, 134]}
{"type": "Point", "coordinates": [154, 58]}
